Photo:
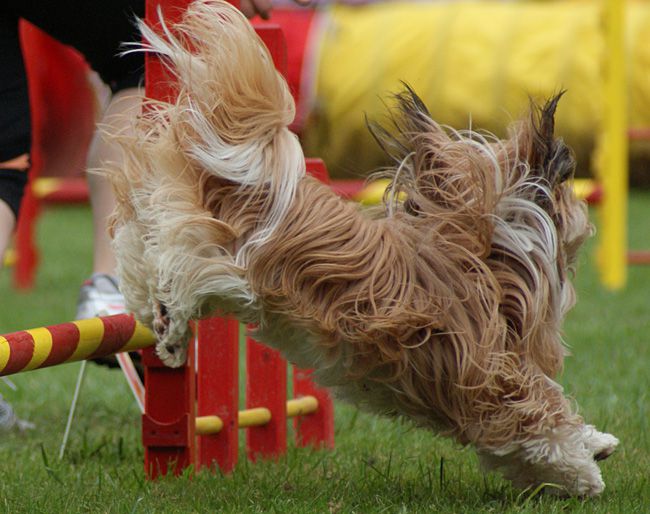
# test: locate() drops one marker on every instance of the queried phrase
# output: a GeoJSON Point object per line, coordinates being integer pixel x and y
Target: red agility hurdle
{"type": "Point", "coordinates": [173, 435]}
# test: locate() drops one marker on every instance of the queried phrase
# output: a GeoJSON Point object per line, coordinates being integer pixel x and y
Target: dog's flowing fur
{"type": "Point", "coordinates": [444, 308]}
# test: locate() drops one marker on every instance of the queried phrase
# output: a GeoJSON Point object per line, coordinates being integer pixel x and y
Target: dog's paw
{"type": "Point", "coordinates": [600, 444]}
{"type": "Point", "coordinates": [582, 480]}
{"type": "Point", "coordinates": [581, 477]}
{"type": "Point", "coordinates": [173, 355]}
{"type": "Point", "coordinates": [564, 460]}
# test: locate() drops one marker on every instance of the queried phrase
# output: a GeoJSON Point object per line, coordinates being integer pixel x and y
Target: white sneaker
{"type": "Point", "coordinates": [100, 296]}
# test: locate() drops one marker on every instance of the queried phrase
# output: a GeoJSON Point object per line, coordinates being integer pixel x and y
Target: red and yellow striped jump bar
{"type": "Point", "coordinates": [69, 342]}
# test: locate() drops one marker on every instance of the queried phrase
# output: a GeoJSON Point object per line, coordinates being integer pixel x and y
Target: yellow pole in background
{"type": "Point", "coordinates": [612, 164]}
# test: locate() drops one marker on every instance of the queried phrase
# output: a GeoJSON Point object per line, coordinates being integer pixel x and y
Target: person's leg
{"type": "Point", "coordinates": [15, 138]}
{"type": "Point", "coordinates": [99, 295]}
{"type": "Point", "coordinates": [118, 117]}
{"type": "Point", "coordinates": [7, 221]}
{"type": "Point", "coordinates": [13, 178]}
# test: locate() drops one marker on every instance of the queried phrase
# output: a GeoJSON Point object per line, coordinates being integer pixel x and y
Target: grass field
{"type": "Point", "coordinates": [378, 466]}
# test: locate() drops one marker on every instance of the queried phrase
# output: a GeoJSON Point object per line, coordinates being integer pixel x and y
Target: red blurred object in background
{"type": "Point", "coordinates": [62, 115]}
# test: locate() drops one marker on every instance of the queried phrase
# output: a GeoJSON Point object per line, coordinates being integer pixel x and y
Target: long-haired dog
{"type": "Point", "coordinates": [444, 308]}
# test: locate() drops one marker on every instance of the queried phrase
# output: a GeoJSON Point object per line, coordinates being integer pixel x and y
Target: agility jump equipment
{"type": "Point", "coordinates": [173, 435]}
{"type": "Point", "coordinates": [192, 418]}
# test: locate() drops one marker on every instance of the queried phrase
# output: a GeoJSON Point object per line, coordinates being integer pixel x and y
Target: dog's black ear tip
{"type": "Point", "coordinates": [410, 101]}
{"type": "Point", "coordinates": [552, 103]}
{"type": "Point", "coordinates": [548, 154]}
{"type": "Point", "coordinates": [550, 107]}
{"type": "Point", "coordinates": [543, 115]}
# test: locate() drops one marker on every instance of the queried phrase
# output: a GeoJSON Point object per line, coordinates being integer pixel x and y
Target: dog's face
{"type": "Point", "coordinates": [550, 167]}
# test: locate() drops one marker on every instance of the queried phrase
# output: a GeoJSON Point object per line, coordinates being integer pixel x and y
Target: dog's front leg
{"type": "Point", "coordinates": [562, 459]}
{"type": "Point", "coordinates": [550, 445]}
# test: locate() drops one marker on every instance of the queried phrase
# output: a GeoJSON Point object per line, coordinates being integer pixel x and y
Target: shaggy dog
{"type": "Point", "coordinates": [445, 307]}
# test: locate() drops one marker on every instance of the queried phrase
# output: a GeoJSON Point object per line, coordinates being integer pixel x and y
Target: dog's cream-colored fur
{"type": "Point", "coordinates": [444, 307]}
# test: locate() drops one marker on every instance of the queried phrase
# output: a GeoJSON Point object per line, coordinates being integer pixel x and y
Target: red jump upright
{"type": "Point", "coordinates": [62, 119]}
{"type": "Point", "coordinates": [218, 390]}
{"type": "Point", "coordinates": [169, 419]}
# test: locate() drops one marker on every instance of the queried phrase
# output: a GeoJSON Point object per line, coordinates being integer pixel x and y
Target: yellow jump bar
{"type": "Point", "coordinates": [260, 416]}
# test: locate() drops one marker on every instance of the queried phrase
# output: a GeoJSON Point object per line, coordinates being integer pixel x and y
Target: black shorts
{"type": "Point", "coordinates": [96, 28]}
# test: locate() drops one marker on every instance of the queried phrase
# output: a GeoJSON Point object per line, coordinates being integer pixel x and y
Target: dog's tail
{"type": "Point", "coordinates": [507, 203]}
{"type": "Point", "coordinates": [231, 115]}
{"type": "Point", "coordinates": [224, 136]}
